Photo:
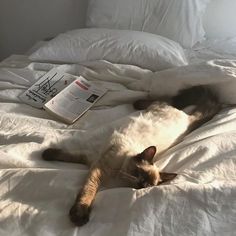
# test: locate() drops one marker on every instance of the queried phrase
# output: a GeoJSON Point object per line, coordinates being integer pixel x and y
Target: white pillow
{"type": "Point", "coordinates": [118, 46]}
{"type": "Point", "coordinates": [179, 20]}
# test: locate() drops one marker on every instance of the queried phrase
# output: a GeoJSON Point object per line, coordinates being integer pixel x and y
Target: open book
{"type": "Point", "coordinates": [64, 95]}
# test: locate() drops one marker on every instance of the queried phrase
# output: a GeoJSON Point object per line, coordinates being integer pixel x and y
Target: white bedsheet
{"type": "Point", "coordinates": [35, 196]}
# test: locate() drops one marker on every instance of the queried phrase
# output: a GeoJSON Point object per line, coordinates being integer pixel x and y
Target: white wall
{"type": "Point", "coordinates": [220, 19]}
{"type": "Point", "coordinates": [23, 22]}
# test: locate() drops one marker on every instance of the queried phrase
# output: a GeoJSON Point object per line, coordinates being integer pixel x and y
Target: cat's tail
{"type": "Point", "coordinates": [205, 104]}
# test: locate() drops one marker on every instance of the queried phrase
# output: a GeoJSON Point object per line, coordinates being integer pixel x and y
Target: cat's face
{"type": "Point", "coordinates": [145, 172]}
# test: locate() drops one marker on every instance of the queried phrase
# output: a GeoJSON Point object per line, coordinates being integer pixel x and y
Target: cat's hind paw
{"type": "Point", "coordinates": [79, 214]}
{"type": "Point", "coordinates": [51, 154]}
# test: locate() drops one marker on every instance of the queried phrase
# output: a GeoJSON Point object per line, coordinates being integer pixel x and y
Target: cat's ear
{"type": "Point", "coordinates": [164, 177]}
{"type": "Point", "coordinates": [147, 154]}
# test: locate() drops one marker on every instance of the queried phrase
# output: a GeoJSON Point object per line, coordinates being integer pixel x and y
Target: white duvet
{"type": "Point", "coordinates": [35, 196]}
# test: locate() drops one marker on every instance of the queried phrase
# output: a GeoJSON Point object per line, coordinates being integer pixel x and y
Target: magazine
{"type": "Point", "coordinates": [63, 95]}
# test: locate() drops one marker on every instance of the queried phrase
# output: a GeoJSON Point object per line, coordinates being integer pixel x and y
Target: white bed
{"type": "Point", "coordinates": [35, 195]}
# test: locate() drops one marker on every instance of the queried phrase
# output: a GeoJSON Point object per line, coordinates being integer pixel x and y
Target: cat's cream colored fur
{"type": "Point", "coordinates": [130, 152]}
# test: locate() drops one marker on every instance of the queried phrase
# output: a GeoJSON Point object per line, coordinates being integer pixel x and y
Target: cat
{"type": "Point", "coordinates": [131, 150]}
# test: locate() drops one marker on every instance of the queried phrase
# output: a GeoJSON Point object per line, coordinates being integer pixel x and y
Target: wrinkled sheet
{"type": "Point", "coordinates": [210, 49]}
{"type": "Point", "coordinates": [35, 196]}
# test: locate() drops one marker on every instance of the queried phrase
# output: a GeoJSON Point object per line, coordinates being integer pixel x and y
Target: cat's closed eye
{"type": "Point", "coordinates": [145, 178]}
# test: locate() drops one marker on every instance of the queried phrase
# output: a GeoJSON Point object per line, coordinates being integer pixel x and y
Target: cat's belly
{"type": "Point", "coordinates": [151, 130]}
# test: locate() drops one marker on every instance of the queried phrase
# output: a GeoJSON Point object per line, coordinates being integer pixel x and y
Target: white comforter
{"type": "Point", "coordinates": [35, 196]}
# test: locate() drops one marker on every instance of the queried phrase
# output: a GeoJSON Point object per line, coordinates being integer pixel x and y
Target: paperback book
{"type": "Point", "coordinates": [63, 95]}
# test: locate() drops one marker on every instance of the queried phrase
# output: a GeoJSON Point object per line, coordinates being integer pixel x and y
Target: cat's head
{"type": "Point", "coordinates": [146, 173]}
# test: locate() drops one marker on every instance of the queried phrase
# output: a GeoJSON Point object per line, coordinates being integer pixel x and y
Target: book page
{"type": "Point", "coordinates": [46, 88]}
{"type": "Point", "coordinates": [74, 100]}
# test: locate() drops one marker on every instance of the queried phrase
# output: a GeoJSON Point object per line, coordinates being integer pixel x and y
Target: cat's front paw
{"type": "Point", "coordinates": [79, 214]}
{"type": "Point", "coordinates": [51, 154]}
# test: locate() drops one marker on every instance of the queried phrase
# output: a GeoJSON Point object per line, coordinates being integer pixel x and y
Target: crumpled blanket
{"type": "Point", "coordinates": [35, 196]}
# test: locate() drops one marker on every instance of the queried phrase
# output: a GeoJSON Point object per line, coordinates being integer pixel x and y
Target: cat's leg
{"type": "Point", "coordinates": [54, 154]}
{"type": "Point", "coordinates": [80, 211]}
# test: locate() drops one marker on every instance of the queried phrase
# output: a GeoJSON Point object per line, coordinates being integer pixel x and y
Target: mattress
{"type": "Point", "coordinates": [36, 195]}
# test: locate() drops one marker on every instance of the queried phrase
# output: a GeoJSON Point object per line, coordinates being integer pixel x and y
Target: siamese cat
{"type": "Point", "coordinates": [131, 150]}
